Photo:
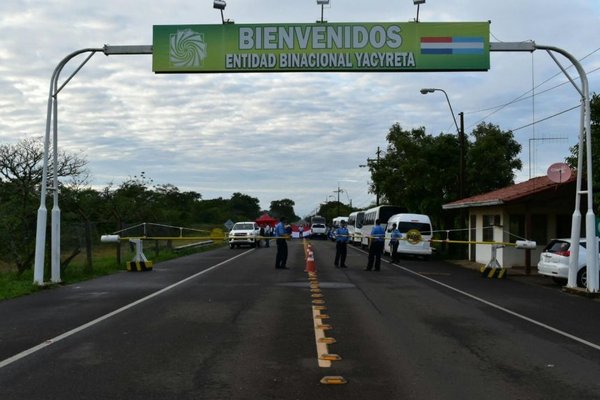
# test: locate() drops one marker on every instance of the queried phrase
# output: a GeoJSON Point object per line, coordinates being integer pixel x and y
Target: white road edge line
{"type": "Point", "coordinates": [506, 310]}
{"type": "Point", "coordinates": [65, 335]}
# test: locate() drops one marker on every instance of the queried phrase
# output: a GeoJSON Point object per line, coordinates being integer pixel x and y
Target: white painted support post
{"type": "Point", "coordinates": [139, 251]}
{"type": "Point", "coordinates": [585, 138]}
{"type": "Point", "coordinates": [42, 215]}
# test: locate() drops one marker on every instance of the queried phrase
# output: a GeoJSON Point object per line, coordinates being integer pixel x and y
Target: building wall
{"type": "Point", "coordinates": [509, 256]}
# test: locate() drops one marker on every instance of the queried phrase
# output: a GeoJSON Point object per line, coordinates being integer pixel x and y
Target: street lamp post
{"type": "Point", "coordinates": [461, 139]}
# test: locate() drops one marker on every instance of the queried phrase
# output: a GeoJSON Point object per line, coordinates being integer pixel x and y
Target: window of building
{"type": "Point", "coordinates": [516, 227]}
{"type": "Point", "coordinates": [489, 221]}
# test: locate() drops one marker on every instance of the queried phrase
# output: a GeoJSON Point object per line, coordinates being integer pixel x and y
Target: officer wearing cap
{"type": "Point", "coordinates": [341, 245]}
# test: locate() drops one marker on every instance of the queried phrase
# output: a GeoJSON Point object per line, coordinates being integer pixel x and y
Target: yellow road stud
{"type": "Point", "coordinates": [330, 357]}
{"type": "Point", "coordinates": [333, 380]}
{"type": "Point", "coordinates": [327, 340]}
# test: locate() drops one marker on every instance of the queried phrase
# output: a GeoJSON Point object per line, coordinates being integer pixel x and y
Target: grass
{"type": "Point", "coordinates": [104, 263]}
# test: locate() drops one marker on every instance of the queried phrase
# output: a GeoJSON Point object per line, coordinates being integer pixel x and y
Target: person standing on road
{"type": "Point", "coordinates": [267, 234]}
{"type": "Point", "coordinates": [282, 251]}
{"type": "Point", "coordinates": [261, 235]}
{"type": "Point", "coordinates": [394, 242]}
{"type": "Point", "coordinates": [341, 245]}
{"type": "Point", "coordinates": [376, 247]}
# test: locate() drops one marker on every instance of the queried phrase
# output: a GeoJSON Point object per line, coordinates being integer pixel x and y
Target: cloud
{"type": "Point", "coordinates": [274, 136]}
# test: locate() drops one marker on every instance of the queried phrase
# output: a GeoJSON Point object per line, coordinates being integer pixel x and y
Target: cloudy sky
{"type": "Point", "coordinates": [272, 136]}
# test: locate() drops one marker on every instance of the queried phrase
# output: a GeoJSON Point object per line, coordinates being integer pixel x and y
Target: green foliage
{"type": "Point", "coordinates": [422, 172]}
{"type": "Point", "coordinates": [243, 207]}
{"type": "Point", "coordinates": [20, 178]}
{"type": "Point", "coordinates": [283, 208]}
{"type": "Point", "coordinates": [15, 285]}
{"type": "Point", "coordinates": [491, 159]}
{"type": "Point", "coordinates": [333, 209]}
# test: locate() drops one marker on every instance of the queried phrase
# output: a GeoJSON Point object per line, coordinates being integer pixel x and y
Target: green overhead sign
{"type": "Point", "coordinates": [321, 47]}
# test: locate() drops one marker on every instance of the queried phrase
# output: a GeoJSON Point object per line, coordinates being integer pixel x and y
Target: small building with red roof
{"type": "Point", "coordinates": [538, 209]}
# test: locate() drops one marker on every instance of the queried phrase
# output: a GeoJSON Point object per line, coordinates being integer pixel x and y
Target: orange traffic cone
{"type": "Point", "coordinates": [310, 262]}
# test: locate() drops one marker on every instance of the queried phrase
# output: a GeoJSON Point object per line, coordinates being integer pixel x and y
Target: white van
{"type": "Point", "coordinates": [409, 224]}
{"type": "Point", "coordinates": [378, 213]}
{"type": "Point", "coordinates": [355, 223]}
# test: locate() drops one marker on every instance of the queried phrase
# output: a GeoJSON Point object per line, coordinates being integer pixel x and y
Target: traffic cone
{"type": "Point", "coordinates": [310, 262]}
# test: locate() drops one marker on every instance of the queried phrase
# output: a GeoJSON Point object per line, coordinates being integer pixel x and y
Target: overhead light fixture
{"type": "Point", "coordinates": [220, 5]}
{"type": "Point", "coordinates": [418, 4]}
{"type": "Point", "coordinates": [322, 3]}
{"type": "Point", "coordinates": [431, 90]}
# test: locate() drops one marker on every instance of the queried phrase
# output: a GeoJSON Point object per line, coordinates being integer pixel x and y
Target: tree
{"type": "Point", "coordinates": [132, 202]}
{"type": "Point", "coordinates": [283, 208]}
{"type": "Point", "coordinates": [212, 211]}
{"type": "Point", "coordinates": [20, 178]}
{"type": "Point", "coordinates": [81, 207]}
{"type": "Point", "coordinates": [243, 207]}
{"type": "Point", "coordinates": [176, 207]}
{"type": "Point", "coordinates": [333, 209]}
{"type": "Point", "coordinates": [491, 159]}
{"type": "Point", "coordinates": [421, 172]}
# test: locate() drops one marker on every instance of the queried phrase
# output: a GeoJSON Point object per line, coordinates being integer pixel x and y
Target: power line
{"type": "Point", "coordinates": [547, 118]}
{"type": "Point", "coordinates": [523, 96]}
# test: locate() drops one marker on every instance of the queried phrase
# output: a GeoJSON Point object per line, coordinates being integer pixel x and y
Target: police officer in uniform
{"type": "Point", "coordinates": [376, 247]}
{"type": "Point", "coordinates": [341, 245]}
{"type": "Point", "coordinates": [282, 251]}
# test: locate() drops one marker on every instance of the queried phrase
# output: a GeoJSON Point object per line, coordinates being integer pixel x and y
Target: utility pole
{"type": "Point", "coordinates": [376, 188]}
{"type": "Point", "coordinates": [368, 164]}
{"type": "Point", "coordinates": [338, 191]}
{"type": "Point", "coordinates": [461, 143]}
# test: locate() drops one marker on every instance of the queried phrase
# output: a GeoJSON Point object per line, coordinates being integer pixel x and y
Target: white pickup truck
{"type": "Point", "coordinates": [244, 234]}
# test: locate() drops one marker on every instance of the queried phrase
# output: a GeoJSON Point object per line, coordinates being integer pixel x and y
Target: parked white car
{"type": "Point", "coordinates": [244, 234]}
{"type": "Point", "coordinates": [554, 261]}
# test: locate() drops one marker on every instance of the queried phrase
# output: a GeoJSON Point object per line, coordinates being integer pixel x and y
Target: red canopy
{"type": "Point", "coordinates": [266, 219]}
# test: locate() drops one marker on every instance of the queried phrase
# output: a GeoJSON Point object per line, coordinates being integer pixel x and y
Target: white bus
{"type": "Point", "coordinates": [381, 213]}
{"type": "Point", "coordinates": [355, 222]}
{"type": "Point", "coordinates": [336, 223]}
{"type": "Point", "coordinates": [416, 243]}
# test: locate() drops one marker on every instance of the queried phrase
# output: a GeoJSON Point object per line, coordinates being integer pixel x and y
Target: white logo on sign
{"type": "Point", "coordinates": [187, 49]}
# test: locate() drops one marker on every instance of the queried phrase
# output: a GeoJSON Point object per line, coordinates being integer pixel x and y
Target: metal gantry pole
{"type": "Point", "coordinates": [585, 139]}
{"type": "Point", "coordinates": [52, 121]}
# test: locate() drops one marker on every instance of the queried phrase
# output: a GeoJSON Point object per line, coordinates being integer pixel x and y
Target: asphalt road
{"type": "Point", "coordinates": [226, 325]}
